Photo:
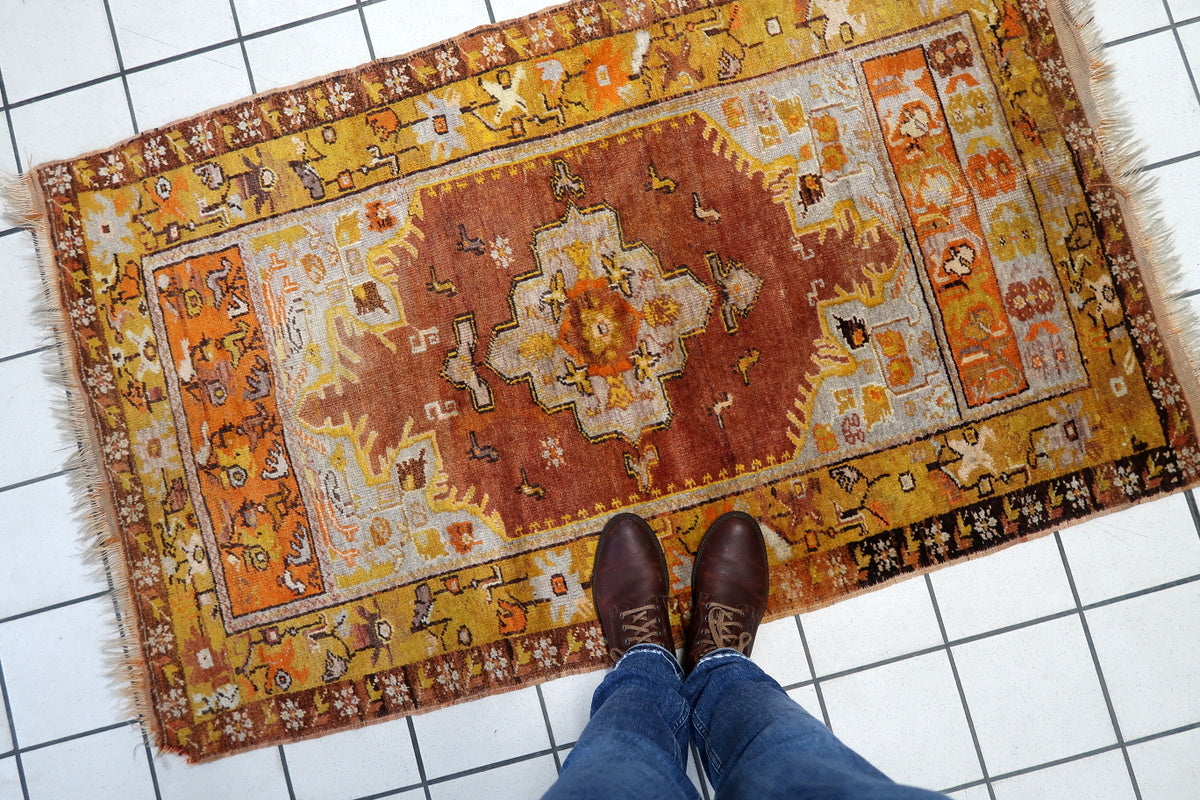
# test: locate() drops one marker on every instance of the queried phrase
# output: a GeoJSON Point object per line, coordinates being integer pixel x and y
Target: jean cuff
{"type": "Point", "coordinates": [653, 651]}
{"type": "Point", "coordinates": [721, 653]}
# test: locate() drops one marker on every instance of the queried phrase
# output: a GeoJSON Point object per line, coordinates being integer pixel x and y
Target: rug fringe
{"type": "Point", "coordinates": [1123, 156]}
{"type": "Point", "coordinates": [103, 550]}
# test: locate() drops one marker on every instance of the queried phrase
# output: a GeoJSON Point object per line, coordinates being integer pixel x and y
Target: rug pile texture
{"type": "Point", "coordinates": [362, 366]}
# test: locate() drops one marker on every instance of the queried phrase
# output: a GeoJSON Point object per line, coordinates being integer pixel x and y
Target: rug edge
{"type": "Point", "coordinates": [1122, 154]}
{"type": "Point", "coordinates": [97, 527]}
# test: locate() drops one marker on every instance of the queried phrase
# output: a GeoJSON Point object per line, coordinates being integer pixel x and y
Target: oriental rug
{"type": "Point", "coordinates": [362, 366]}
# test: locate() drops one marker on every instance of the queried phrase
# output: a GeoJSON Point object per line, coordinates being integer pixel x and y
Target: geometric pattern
{"type": "Point", "coordinates": [361, 366]}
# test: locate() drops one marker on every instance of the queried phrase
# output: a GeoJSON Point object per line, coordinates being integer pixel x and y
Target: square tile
{"type": "Point", "coordinates": [1034, 695]}
{"type": "Point", "coordinates": [20, 294]}
{"type": "Point", "coordinates": [1167, 768]}
{"type": "Point", "coordinates": [53, 44]}
{"type": "Point", "coordinates": [1127, 17]}
{"type": "Point", "coordinates": [108, 764]}
{"type": "Point", "coordinates": [257, 774]}
{"type": "Point", "coordinates": [1155, 90]}
{"type": "Point", "coordinates": [915, 700]}
{"type": "Point", "coordinates": [481, 732]}
{"type": "Point", "coordinates": [1181, 10]}
{"type": "Point", "coordinates": [1138, 548]}
{"type": "Point", "coordinates": [510, 9]}
{"type": "Point", "coordinates": [71, 124]}
{"type": "Point", "coordinates": [28, 398]}
{"type": "Point", "coordinates": [1104, 775]}
{"type": "Point", "coordinates": [42, 561]}
{"type": "Point", "coordinates": [872, 627]}
{"type": "Point", "coordinates": [58, 676]}
{"type": "Point", "coordinates": [368, 760]}
{"type": "Point", "coordinates": [530, 778]}
{"type": "Point", "coordinates": [1178, 190]}
{"type": "Point", "coordinates": [307, 51]}
{"type": "Point", "coordinates": [150, 30]}
{"type": "Point", "coordinates": [974, 793]}
{"type": "Point", "coordinates": [402, 26]}
{"type": "Point", "coordinates": [187, 87]}
{"type": "Point", "coordinates": [569, 703]}
{"type": "Point", "coordinates": [257, 15]}
{"type": "Point", "coordinates": [1015, 585]}
{"type": "Point", "coordinates": [10, 778]}
{"type": "Point", "coordinates": [1148, 650]}
{"type": "Point", "coordinates": [779, 650]}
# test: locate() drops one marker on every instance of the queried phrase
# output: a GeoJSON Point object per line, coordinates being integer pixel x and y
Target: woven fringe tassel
{"type": "Point", "coordinates": [104, 551]}
{"type": "Point", "coordinates": [1153, 241]}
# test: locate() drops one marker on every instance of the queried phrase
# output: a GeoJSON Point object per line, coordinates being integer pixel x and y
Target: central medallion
{"type": "Point", "coordinates": [599, 327]}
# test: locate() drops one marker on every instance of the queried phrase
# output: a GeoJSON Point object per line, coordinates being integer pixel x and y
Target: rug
{"type": "Point", "coordinates": [362, 366]}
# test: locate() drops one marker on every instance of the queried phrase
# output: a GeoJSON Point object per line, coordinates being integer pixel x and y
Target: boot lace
{"type": "Point", "coordinates": [725, 627]}
{"type": "Point", "coordinates": [639, 626]}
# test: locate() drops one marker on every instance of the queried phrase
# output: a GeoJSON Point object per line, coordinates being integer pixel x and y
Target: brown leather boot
{"type": "Point", "coordinates": [630, 586]}
{"type": "Point", "coordinates": [729, 587]}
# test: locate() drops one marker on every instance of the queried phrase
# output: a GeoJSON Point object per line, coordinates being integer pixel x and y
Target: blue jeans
{"type": "Point", "coordinates": [754, 740]}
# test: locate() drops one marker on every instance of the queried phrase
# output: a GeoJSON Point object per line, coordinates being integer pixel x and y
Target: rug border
{"type": "Point", "coordinates": [1121, 157]}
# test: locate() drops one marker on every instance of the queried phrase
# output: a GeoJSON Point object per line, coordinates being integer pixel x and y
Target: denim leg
{"type": "Point", "coordinates": [636, 743]}
{"type": "Point", "coordinates": [755, 741]}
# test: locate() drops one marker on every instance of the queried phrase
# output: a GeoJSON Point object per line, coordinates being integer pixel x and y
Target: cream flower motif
{"type": "Point", "coordinates": [155, 152]}
{"type": "Point", "coordinates": [58, 179]}
{"type": "Point", "coordinates": [112, 168]}
{"type": "Point", "coordinates": [447, 64]}
{"type": "Point", "coordinates": [396, 689]}
{"type": "Point", "coordinates": [545, 652]}
{"type": "Point", "coordinates": [501, 252]}
{"type": "Point", "coordinates": [587, 21]}
{"type": "Point", "coordinates": [339, 97]}
{"type": "Point", "coordinates": [160, 639]}
{"type": "Point", "coordinates": [397, 79]}
{"type": "Point", "coordinates": [492, 48]}
{"type": "Point", "coordinates": [291, 714]}
{"type": "Point", "coordinates": [238, 726]}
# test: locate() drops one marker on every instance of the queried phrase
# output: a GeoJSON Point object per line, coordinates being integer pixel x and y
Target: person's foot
{"type": "Point", "coordinates": [630, 586]}
{"type": "Point", "coordinates": [729, 587]}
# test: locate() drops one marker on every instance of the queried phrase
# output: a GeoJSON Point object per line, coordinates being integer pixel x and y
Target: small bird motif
{"type": "Point", "coordinates": [660, 184]}
{"type": "Point", "coordinates": [469, 244]}
{"type": "Point", "coordinates": [718, 409]}
{"type": "Point", "coordinates": [448, 288]}
{"type": "Point", "coordinates": [746, 362]}
{"type": "Point", "coordinates": [618, 275]}
{"type": "Point", "coordinates": [564, 182]}
{"type": "Point", "coordinates": [709, 215]}
{"type": "Point", "coordinates": [486, 453]}
{"type": "Point", "coordinates": [534, 490]}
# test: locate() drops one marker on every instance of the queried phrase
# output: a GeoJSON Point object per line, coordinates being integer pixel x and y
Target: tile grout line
{"type": "Point", "coordinates": [29, 481]}
{"type": "Point", "coordinates": [12, 734]}
{"type": "Point", "coordinates": [1187, 64]}
{"type": "Point", "coordinates": [491, 14]}
{"type": "Point", "coordinates": [25, 353]}
{"type": "Point", "coordinates": [112, 32]}
{"type": "Point", "coordinates": [1087, 635]}
{"type": "Point", "coordinates": [11, 231]}
{"type": "Point", "coordinates": [549, 728]}
{"type": "Point", "coordinates": [150, 763]}
{"type": "Point", "coordinates": [55, 606]}
{"type": "Point", "coordinates": [412, 735]}
{"type": "Point", "coordinates": [287, 774]}
{"type": "Point", "coordinates": [112, 726]}
{"type": "Point", "coordinates": [1153, 31]}
{"type": "Point", "coordinates": [1190, 498]}
{"type": "Point", "coordinates": [241, 42]}
{"type": "Point", "coordinates": [812, 671]}
{"type": "Point", "coordinates": [12, 132]}
{"type": "Point", "coordinates": [362, 16]}
{"type": "Point", "coordinates": [962, 694]}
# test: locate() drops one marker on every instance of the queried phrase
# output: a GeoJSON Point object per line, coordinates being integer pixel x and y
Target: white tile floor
{"type": "Point", "coordinates": [1063, 668]}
